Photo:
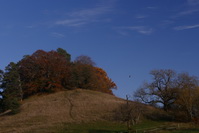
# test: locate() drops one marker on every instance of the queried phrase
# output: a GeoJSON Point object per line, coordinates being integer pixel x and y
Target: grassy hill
{"type": "Point", "coordinates": [76, 111]}
{"type": "Point", "coordinates": [48, 112]}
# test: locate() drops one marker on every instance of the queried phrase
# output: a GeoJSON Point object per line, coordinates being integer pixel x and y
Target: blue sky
{"type": "Point", "coordinates": [124, 37]}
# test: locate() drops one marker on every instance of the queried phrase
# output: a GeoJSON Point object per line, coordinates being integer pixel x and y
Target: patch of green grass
{"type": "Point", "coordinates": [95, 127]}
{"type": "Point", "coordinates": [112, 127]}
{"type": "Point", "coordinates": [107, 127]}
{"type": "Point", "coordinates": [148, 124]}
{"type": "Point", "coordinates": [191, 130]}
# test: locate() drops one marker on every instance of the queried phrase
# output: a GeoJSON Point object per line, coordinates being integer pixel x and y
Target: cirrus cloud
{"type": "Point", "coordinates": [186, 27]}
{"type": "Point", "coordinates": [139, 29]}
{"type": "Point", "coordinates": [86, 16]}
{"type": "Point", "coordinates": [193, 2]}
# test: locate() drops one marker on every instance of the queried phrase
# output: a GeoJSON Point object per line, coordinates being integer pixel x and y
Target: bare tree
{"type": "Point", "coordinates": [130, 113]}
{"type": "Point", "coordinates": [83, 59]}
{"type": "Point", "coordinates": [161, 90]}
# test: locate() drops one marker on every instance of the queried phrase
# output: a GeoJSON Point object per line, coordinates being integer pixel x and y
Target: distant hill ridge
{"type": "Point", "coordinates": [61, 107]}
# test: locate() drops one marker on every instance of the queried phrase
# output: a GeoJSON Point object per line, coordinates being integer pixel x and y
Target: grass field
{"type": "Point", "coordinates": [110, 127]}
{"type": "Point", "coordinates": [180, 127]}
{"type": "Point", "coordinates": [183, 131]}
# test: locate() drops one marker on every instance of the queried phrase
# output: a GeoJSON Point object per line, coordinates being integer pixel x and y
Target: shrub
{"type": "Point", "coordinates": [11, 104]}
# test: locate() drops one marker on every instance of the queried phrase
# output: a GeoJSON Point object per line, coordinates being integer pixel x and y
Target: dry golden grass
{"type": "Point", "coordinates": [39, 113]}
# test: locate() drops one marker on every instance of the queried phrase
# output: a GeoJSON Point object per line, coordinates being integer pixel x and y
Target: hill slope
{"type": "Point", "coordinates": [62, 107]}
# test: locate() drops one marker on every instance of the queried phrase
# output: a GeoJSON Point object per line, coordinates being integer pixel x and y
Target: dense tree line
{"type": "Point", "coordinates": [47, 72]}
{"type": "Point", "coordinates": [176, 93]}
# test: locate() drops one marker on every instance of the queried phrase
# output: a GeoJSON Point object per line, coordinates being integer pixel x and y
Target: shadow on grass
{"type": "Point", "coordinates": [105, 131]}
{"type": "Point", "coordinates": [187, 131]}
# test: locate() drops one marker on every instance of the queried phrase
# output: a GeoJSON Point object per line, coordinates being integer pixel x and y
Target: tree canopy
{"type": "Point", "coordinates": [52, 71]}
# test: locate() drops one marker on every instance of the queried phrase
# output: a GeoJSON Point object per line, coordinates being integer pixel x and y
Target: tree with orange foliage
{"type": "Point", "coordinates": [102, 82]}
{"type": "Point", "coordinates": [86, 76]}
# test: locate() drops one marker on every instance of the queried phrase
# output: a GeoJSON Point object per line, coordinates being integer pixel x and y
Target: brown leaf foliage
{"type": "Point", "coordinates": [43, 72]}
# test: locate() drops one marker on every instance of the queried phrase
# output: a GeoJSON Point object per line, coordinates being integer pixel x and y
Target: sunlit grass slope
{"type": "Point", "coordinates": [42, 113]}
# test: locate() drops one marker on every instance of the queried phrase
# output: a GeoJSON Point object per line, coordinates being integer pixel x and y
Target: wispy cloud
{"type": "Point", "coordinates": [57, 35]}
{"type": "Point", "coordinates": [141, 16]}
{"type": "Point", "coordinates": [193, 2]}
{"type": "Point", "coordinates": [92, 12]}
{"type": "Point", "coordinates": [188, 12]}
{"type": "Point", "coordinates": [30, 26]}
{"type": "Point", "coordinates": [139, 29]}
{"type": "Point", "coordinates": [152, 7]}
{"type": "Point", "coordinates": [71, 22]}
{"type": "Point", "coordinates": [186, 27]}
{"type": "Point", "coordinates": [166, 23]}
{"type": "Point", "coordinates": [86, 16]}
{"type": "Point", "coordinates": [191, 8]}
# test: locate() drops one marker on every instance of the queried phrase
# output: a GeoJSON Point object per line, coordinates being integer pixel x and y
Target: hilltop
{"type": "Point", "coordinates": [45, 111]}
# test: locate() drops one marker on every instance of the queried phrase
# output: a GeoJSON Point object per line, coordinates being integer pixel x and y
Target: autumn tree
{"type": "Point", "coordinates": [44, 72]}
{"type": "Point", "coordinates": [86, 76]}
{"type": "Point", "coordinates": [161, 90]}
{"type": "Point", "coordinates": [102, 82]}
{"type": "Point", "coordinates": [188, 95]}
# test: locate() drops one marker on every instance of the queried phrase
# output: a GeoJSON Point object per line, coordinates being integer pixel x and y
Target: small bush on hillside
{"type": "Point", "coordinates": [11, 104]}
{"type": "Point", "coordinates": [159, 115]}
{"type": "Point", "coordinates": [131, 113]}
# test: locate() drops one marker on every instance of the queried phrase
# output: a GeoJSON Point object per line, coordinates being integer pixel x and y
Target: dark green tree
{"type": "Point", "coordinates": [11, 82]}
{"type": "Point", "coordinates": [64, 53]}
{"type": "Point", "coordinates": [1, 98]}
{"type": "Point", "coordinates": [83, 73]}
{"type": "Point", "coordinates": [1, 79]}
{"type": "Point", "coordinates": [82, 76]}
{"type": "Point", "coordinates": [1, 75]}
{"type": "Point", "coordinates": [12, 90]}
